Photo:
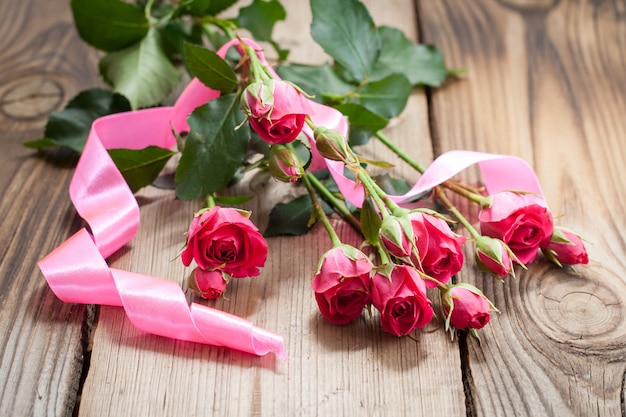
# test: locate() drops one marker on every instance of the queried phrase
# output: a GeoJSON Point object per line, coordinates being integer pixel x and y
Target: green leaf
{"type": "Point", "coordinates": [348, 34]}
{"type": "Point", "coordinates": [421, 64]}
{"type": "Point", "coordinates": [142, 73]}
{"type": "Point", "coordinates": [363, 123]}
{"type": "Point", "coordinates": [393, 186]}
{"type": "Point", "coordinates": [387, 97]}
{"type": "Point", "coordinates": [292, 218]}
{"type": "Point", "coordinates": [320, 81]}
{"type": "Point", "coordinates": [197, 7]}
{"type": "Point", "coordinates": [218, 6]}
{"type": "Point", "coordinates": [209, 68]}
{"type": "Point", "coordinates": [375, 162]}
{"type": "Point", "coordinates": [370, 221]}
{"type": "Point", "coordinates": [260, 17]}
{"type": "Point", "coordinates": [214, 149]}
{"type": "Point", "coordinates": [70, 126]}
{"type": "Point", "coordinates": [109, 25]}
{"type": "Point", "coordinates": [140, 167]}
{"type": "Point", "coordinates": [174, 36]}
{"type": "Point", "coordinates": [40, 143]}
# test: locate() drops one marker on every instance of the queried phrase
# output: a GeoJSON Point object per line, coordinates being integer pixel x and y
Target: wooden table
{"type": "Point", "coordinates": [546, 81]}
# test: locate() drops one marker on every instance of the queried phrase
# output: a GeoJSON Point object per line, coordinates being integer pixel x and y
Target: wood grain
{"type": "Point", "coordinates": [546, 83]}
{"type": "Point", "coordinates": [41, 339]}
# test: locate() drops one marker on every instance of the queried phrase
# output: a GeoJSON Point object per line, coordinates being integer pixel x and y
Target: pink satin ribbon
{"type": "Point", "coordinates": [78, 273]}
{"type": "Point", "coordinates": [499, 172]}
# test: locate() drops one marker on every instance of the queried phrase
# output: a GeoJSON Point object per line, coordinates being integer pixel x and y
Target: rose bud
{"type": "Point", "coordinates": [566, 248]}
{"type": "Point", "coordinates": [225, 239]}
{"type": "Point", "coordinates": [465, 307]}
{"type": "Point", "coordinates": [439, 248]}
{"type": "Point", "coordinates": [401, 300]}
{"type": "Point", "coordinates": [333, 145]}
{"type": "Point", "coordinates": [208, 284]}
{"type": "Point", "coordinates": [282, 120]}
{"type": "Point", "coordinates": [342, 284]}
{"type": "Point", "coordinates": [494, 256]}
{"type": "Point", "coordinates": [258, 98]}
{"type": "Point", "coordinates": [397, 235]}
{"type": "Point", "coordinates": [520, 220]}
{"type": "Point", "coordinates": [284, 165]}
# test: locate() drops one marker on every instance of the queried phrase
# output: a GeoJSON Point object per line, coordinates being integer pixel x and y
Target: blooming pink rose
{"type": "Point", "coordinates": [280, 117]}
{"type": "Point", "coordinates": [342, 284]}
{"type": "Point", "coordinates": [494, 256]}
{"type": "Point", "coordinates": [224, 239]}
{"type": "Point", "coordinates": [439, 247]}
{"type": "Point", "coordinates": [466, 307]}
{"type": "Point", "coordinates": [566, 248]}
{"type": "Point", "coordinates": [207, 284]}
{"type": "Point", "coordinates": [401, 300]}
{"type": "Point", "coordinates": [522, 221]}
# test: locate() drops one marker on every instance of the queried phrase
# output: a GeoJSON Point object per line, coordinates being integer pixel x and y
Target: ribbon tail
{"type": "Point", "coordinates": [77, 273]}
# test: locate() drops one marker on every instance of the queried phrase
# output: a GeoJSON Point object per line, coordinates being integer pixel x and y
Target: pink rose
{"type": "Point", "coordinates": [207, 284]}
{"type": "Point", "coordinates": [342, 284]}
{"type": "Point", "coordinates": [522, 221]}
{"type": "Point", "coordinates": [439, 248]}
{"type": "Point", "coordinates": [401, 300]}
{"type": "Point", "coordinates": [465, 307]}
{"type": "Point", "coordinates": [224, 239]}
{"type": "Point", "coordinates": [277, 117]}
{"type": "Point", "coordinates": [494, 256]}
{"type": "Point", "coordinates": [566, 248]}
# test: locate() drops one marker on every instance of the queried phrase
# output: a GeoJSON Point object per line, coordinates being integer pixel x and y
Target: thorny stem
{"type": "Point", "coordinates": [228, 27]}
{"type": "Point", "coordinates": [464, 192]}
{"type": "Point", "coordinates": [324, 191]}
{"type": "Point", "coordinates": [373, 191]}
{"type": "Point", "coordinates": [319, 211]}
{"type": "Point", "coordinates": [257, 68]}
{"type": "Point", "coordinates": [393, 206]}
{"type": "Point", "coordinates": [403, 155]}
{"type": "Point", "coordinates": [334, 201]}
{"type": "Point", "coordinates": [441, 195]}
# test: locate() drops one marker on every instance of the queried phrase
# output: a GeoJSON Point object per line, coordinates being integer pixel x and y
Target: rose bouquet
{"type": "Point", "coordinates": [304, 125]}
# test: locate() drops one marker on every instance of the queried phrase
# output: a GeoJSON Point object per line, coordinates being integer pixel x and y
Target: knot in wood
{"type": "Point", "coordinates": [30, 97]}
{"type": "Point", "coordinates": [574, 307]}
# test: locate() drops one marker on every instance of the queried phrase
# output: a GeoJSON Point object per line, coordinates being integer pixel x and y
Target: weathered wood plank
{"type": "Point", "coordinates": [546, 83]}
{"type": "Point", "coordinates": [352, 370]}
{"type": "Point", "coordinates": [42, 65]}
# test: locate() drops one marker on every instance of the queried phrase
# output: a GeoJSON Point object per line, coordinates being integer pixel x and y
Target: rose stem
{"type": "Point", "coordinates": [319, 212]}
{"type": "Point", "coordinates": [441, 196]}
{"type": "Point", "coordinates": [451, 185]}
{"type": "Point", "coordinates": [210, 201]}
{"type": "Point", "coordinates": [374, 191]}
{"type": "Point", "coordinates": [334, 201]}
{"type": "Point", "coordinates": [322, 189]}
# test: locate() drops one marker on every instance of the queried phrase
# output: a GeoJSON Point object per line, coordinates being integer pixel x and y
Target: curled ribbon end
{"type": "Point", "coordinates": [265, 342]}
